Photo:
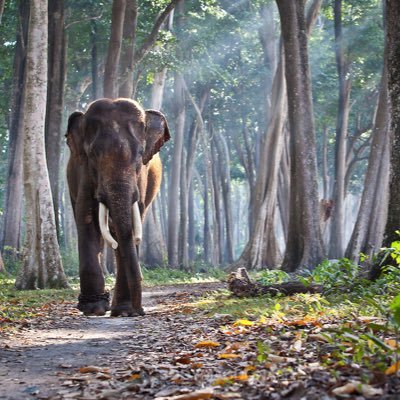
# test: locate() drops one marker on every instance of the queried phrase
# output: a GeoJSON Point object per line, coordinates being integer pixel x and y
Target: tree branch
{"type": "Point", "coordinates": [151, 39]}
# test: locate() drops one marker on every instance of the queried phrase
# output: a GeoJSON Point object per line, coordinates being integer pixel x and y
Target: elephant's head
{"type": "Point", "coordinates": [112, 140]}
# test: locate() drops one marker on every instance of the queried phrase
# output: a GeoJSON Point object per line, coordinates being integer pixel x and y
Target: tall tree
{"type": "Point", "coordinates": [336, 248]}
{"type": "Point", "coordinates": [42, 265]}
{"type": "Point", "coordinates": [11, 237]}
{"type": "Point", "coordinates": [368, 230]}
{"type": "Point", "coordinates": [304, 245]}
{"type": "Point", "coordinates": [132, 54]}
{"type": "Point", "coordinates": [175, 177]}
{"type": "Point", "coordinates": [55, 98]}
{"type": "Point", "coordinates": [262, 248]}
{"type": "Point", "coordinates": [110, 86]}
{"type": "Point", "coordinates": [2, 4]}
{"type": "Point", "coordinates": [392, 15]}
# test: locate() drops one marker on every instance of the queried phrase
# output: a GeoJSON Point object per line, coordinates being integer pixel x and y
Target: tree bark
{"type": "Point", "coordinates": [128, 49]}
{"type": "Point", "coordinates": [225, 176]}
{"type": "Point", "coordinates": [217, 222]}
{"type": "Point", "coordinates": [2, 269]}
{"type": "Point", "coordinates": [174, 181]}
{"type": "Point", "coordinates": [153, 249]}
{"type": "Point", "coordinates": [365, 237]}
{"type": "Point", "coordinates": [2, 4]}
{"type": "Point", "coordinates": [42, 265]}
{"type": "Point", "coordinates": [336, 248]}
{"type": "Point", "coordinates": [392, 14]}
{"type": "Point", "coordinates": [94, 60]}
{"type": "Point", "coordinates": [304, 245]}
{"type": "Point", "coordinates": [110, 85]}
{"type": "Point", "coordinates": [55, 96]}
{"type": "Point", "coordinates": [240, 285]}
{"type": "Point", "coordinates": [131, 56]}
{"type": "Point", "coordinates": [11, 237]}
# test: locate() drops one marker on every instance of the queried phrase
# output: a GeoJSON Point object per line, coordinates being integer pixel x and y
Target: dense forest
{"type": "Point", "coordinates": [279, 120]}
{"type": "Point", "coordinates": [225, 173]}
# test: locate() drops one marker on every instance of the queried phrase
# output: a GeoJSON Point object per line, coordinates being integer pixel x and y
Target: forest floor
{"type": "Point", "coordinates": [181, 351]}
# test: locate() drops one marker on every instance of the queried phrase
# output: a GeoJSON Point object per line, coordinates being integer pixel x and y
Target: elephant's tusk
{"type": "Point", "coordinates": [137, 224]}
{"type": "Point", "coordinates": [105, 230]}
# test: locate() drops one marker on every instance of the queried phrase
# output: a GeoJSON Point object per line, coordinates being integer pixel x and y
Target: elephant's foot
{"type": "Point", "coordinates": [126, 310]}
{"type": "Point", "coordinates": [97, 304]}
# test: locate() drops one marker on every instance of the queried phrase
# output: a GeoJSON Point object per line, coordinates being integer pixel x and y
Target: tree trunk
{"type": "Point", "coordinates": [2, 4]}
{"type": "Point", "coordinates": [175, 171]}
{"type": "Point", "coordinates": [2, 269]}
{"type": "Point", "coordinates": [153, 249]}
{"type": "Point", "coordinates": [55, 96]}
{"type": "Point", "coordinates": [392, 17]}
{"type": "Point", "coordinates": [94, 60]}
{"type": "Point", "coordinates": [207, 234]}
{"type": "Point", "coordinates": [42, 265]}
{"type": "Point", "coordinates": [183, 258]}
{"type": "Point", "coordinates": [110, 85]}
{"type": "Point", "coordinates": [174, 180]}
{"type": "Point", "coordinates": [11, 237]}
{"type": "Point", "coordinates": [337, 245]}
{"type": "Point", "coordinates": [191, 225]}
{"type": "Point", "coordinates": [304, 242]}
{"type": "Point", "coordinates": [224, 166]}
{"type": "Point", "coordinates": [128, 49]}
{"type": "Point", "coordinates": [363, 239]}
{"type": "Point", "coordinates": [217, 223]}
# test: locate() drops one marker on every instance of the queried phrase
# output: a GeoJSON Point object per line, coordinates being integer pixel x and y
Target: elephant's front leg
{"type": "Point", "coordinates": [93, 299]}
{"type": "Point", "coordinates": [127, 299]}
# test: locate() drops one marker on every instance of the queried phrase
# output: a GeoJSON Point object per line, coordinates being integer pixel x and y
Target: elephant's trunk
{"type": "Point", "coordinates": [127, 233]}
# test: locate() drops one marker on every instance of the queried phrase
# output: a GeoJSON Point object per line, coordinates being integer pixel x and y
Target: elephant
{"type": "Point", "coordinates": [113, 173]}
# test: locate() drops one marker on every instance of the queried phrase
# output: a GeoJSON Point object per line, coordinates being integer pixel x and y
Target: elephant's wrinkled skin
{"type": "Point", "coordinates": [113, 162]}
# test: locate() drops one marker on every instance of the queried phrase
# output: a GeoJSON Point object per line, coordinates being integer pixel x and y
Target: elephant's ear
{"type": "Point", "coordinates": [74, 134]}
{"type": "Point", "coordinates": [157, 133]}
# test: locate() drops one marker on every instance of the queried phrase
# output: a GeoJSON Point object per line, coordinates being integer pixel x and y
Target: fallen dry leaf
{"type": "Point", "coordinates": [228, 355]}
{"type": "Point", "coordinates": [369, 391]}
{"type": "Point", "coordinates": [243, 322]}
{"type": "Point", "coordinates": [393, 368]}
{"type": "Point", "coordinates": [92, 368]}
{"type": "Point", "coordinates": [207, 344]}
{"type": "Point", "coordinates": [197, 395]}
{"type": "Point", "coordinates": [348, 388]}
{"type": "Point", "coordinates": [230, 379]}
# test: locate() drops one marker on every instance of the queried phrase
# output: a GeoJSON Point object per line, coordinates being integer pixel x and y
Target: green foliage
{"type": "Point", "coordinates": [17, 306]}
{"type": "Point", "coordinates": [163, 276]}
{"type": "Point", "coordinates": [12, 260]}
{"type": "Point", "coordinates": [273, 276]}
{"type": "Point", "coordinates": [70, 260]}
{"type": "Point", "coordinates": [333, 274]}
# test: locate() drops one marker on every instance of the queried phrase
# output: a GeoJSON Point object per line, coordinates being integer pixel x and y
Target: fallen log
{"type": "Point", "coordinates": [240, 285]}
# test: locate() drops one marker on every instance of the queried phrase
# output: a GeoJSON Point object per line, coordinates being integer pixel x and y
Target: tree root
{"type": "Point", "coordinates": [240, 285]}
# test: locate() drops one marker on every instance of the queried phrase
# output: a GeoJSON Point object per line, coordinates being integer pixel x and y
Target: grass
{"type": "Point", "coordinates": [166, 276]}
{"type": "Point", "coordinates": [16, 305]}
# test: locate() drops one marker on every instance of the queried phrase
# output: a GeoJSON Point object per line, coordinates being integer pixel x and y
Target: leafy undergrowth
{"type": "Point", "coordinates": [200, 343]}
{"type": "Point", "coordinates": [18, 307]}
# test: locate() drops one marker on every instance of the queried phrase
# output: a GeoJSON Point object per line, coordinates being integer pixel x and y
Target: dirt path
{"type": "Point", "coordinates": [43, 360]}
{"type": "Point", "coordinates": [177, 352]}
